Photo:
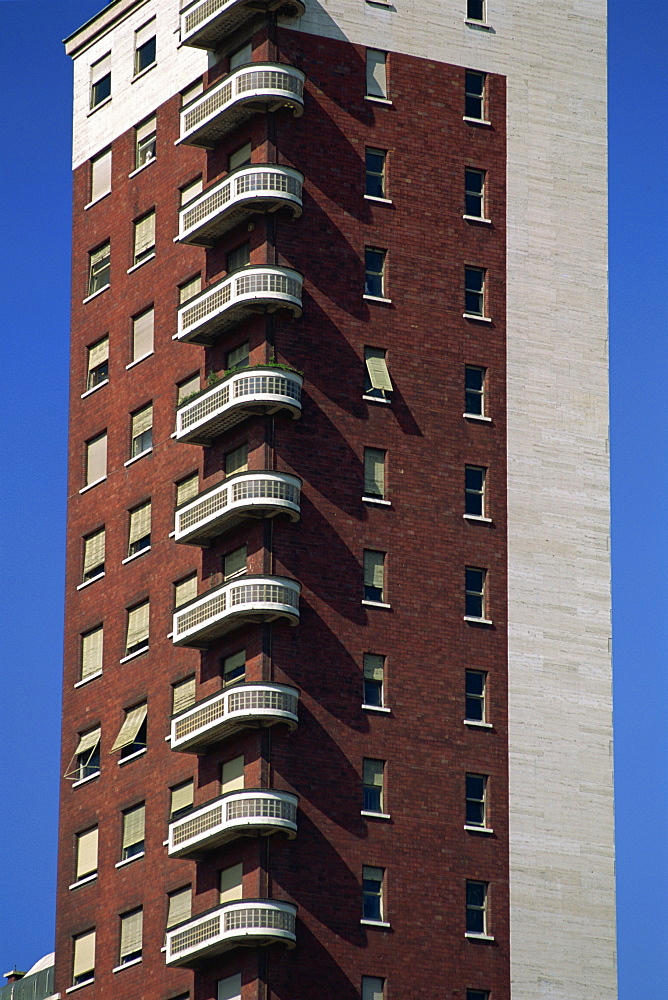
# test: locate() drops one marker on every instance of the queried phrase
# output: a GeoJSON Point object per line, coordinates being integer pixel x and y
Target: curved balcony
{"type": "Point", "coordinates": [236, 198]}
{"type": "Point", "coordinates": [246, 393]}
{"type": "Point", "coordinates": [205, 23]}
{"type": "Point", "coordinates": [244, 706]}
{"type": "Point", "coordinates": [246, 495]}
{"type": "Point", "coordinates": [256, 88]}
{"type": "Point", "coordinates": [251, 813]}
{"type": "Point", "coordinates": [244, 601]}
{"type": "Point", "coordinates": [248, 922]}
{"type": "Point", "coordinates": [252, 289]}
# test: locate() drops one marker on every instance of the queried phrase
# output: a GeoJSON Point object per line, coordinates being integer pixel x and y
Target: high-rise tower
{"type": "Point", "coordinates": [337, 707]}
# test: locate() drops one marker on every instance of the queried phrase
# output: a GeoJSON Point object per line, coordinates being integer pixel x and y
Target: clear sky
{"type": "Point", "coordinates": [35, 81]}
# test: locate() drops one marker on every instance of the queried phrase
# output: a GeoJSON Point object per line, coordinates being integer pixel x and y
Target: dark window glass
{"type": "Point", "coordinates": [474, 381]}
{"type": "Point", "coordinates": [372, 890]}
{"type": "Point", "coordinates": [100, 90]}
{"type": "Point", "coordinates": [474, 281]}
{"type": "Point", "coordinates": [476, 895]}
{"type": "Point", "coordinates": [145, 55]}
{"type": "Point", "coordinates": [475, 10]}
{"type": "Point", "coordinates": [474, 183]}
{"type": "Point", "coordinates": [474, 490]}
{"type": "Point", "coordinates": [475, 799]}
{"type": "Point", "coordinates": [475, 695]}
{"type": "Point", "coordinates": [374, 262]}
{"type": "Point", "coordinates": [375, 173]}
{"type": "Point", "coordinates": [475, 587]}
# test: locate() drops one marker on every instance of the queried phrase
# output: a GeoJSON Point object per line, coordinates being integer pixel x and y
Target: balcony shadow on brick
{"type": "Point", "coordinates": [325, 977]}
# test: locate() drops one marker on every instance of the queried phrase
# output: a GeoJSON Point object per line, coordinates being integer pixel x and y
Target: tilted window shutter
{"type": "Point", "coordinates": [98, 353]}
{"type": "Point", "coordinates": [131, 726]}
{"type": "Point", "coordinates": [101, 254]}
{"type": "Point", "coordinates": [142, 421]}
{"type": "Point", "coordinates": [378, 373]}
{"type": "Point", "coordinates": [88, 741]}
{"type": "Point", "coordinates": [138, 623]}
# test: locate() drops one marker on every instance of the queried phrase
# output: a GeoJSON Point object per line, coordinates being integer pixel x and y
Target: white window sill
{"type": "Point", "coordinates": [127, 965]}
{"type": "Point", "coordinates": [477, 517]}
{"type": "Point", "coordinates": [380, 3]}
{"type": "Point", "coordinates": [96, 200]}
{"type": "Point", "coordinates": [80, 986]}
{"type": "Point", "coordinates": [478, 937]}
{"type": "Point", "coordinates": [89, 298]}
{"type": "Point", "coordinates": [483, 25]}
{"type": "Point", "coordinates": [477, 218]}
{"type": "Point", "coordinates": [140, 263]}
{"type": "Point", "coordinates": [93, 579]}
{"type": "Point", "coordinates": [133, 656]}
{"type": "Point", "coordinates": [377, 100]}
{"type": "Point", "coordinates": [373, 197]}
{"type": "Point", "coordinates": [137, 360]}
{"type": "Point", "coordinates": [380, 299]}
{"type": "Point", "coordinates": [377, 500]}
{"type": "Point", "coordinates": [380, 924]}
{"type": "Point", "coordinates": [170, 635]}
{"type": "Point", "coordinates": [374, 815]}
{"type": "Point", "coordinates": [132, 756]}
{"type": "Point", "coordinates": [128, 861]}
{"type": "Point", "coordinates": [83, 781]}
{"type": "Point", "coordinates": [87, 680]}
{"type": "Point", "coordinates": [135, 458]}
{"type": "Point", "coordinates": [136, 555]}
{"type": "Point", "coordinates": [377, 604]}
{"type": "Point", "coordinates": [481, 418]}
{"type": "Point", "coordinates": [83, 881]}
{"type": "Point", "coordinates": [478, 621]}
{"type": "Point", "coordinates": [90, 486]}
{"type": "Point", "coordinates": [143, 72]}
{"type": "Point", "coordinates": [138, 170]}
{"type": "Point", "coordinates": [377, 708]}
{"type": "Point", "coordinates": [478, 829]}
{"type": "Point", "coordinates": [475, 724]}
{"type": "Point", "coordinates": [378, 399]}
{"type": "Point", "coordinates": [476, 318]}
{"type": "Point", "coordinates": [172, 534]}
{"type": "Point", "coordinates": [89, 392]}
{"type": "Point", "coordinates": [476, 121]}
{"type": "Point", "coordinates": [101, 104]}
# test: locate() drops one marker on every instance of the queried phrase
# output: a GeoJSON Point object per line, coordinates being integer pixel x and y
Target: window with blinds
{"type": "Point", "coordinates": [231, 883]}
{"type": "Point", "coordinates": [373, 988]}
{"type": "Point", "coordinates": [237, 460]}
{"type": "Point", "coordinates": [183, 695]}
{"type": "Point", "coordinates": [100, 80]}
{"type": "Point", "coordinates": [92, 646]}
{"type": "Point", "coordinates": [138, 627]}
{"type": "Point", "coordinates": [374, 473]}
{"type": "Point", "coordinates": [185, 590]}
{"type": "Point", "coordinates": [86, 853]}
{"type": "Point", "coordinates": [85, 761]}
{"type": "Point", "coordinates": [232, 775]}
{"type": "Point", "coordinates": [96, 459]}
{"type": "Point", "coordinates": [189, 387]}
{"type": "Point", "coordinates": [239, 257]}
{"type": "Point", "coordinates": [132, 734]}
{"type": "Point", "coordinates": [141, 431]}
{"type": "Point", "coordinates": [377, 381]}
{"type": "Point", "coordinates": [93, 559]}
{"type": "Point", "coordinates": [234, 563]}
{"type": "Point", "coordinates": [100, 175]}
{"type": "Point", "coordinates": [229, 988]}
{"type": "Point", "coordinates": [190, 288]}
{"type": "Point", "coordinates": [187, 489]}
{"type": "Point", "coordinates": [142, 334]}
{"type": "Point", "coordinates": [83, 958]}
{"type": "Point", "coordinates": [240, 157]}
{"type": "Point", "coordinates": [131, 936]}
{"type": "Point", "coordinates": [134, 827]}
{"type": "Point", "coordinates": [140, 529]}
{"type": "Point", "coordinates": [144, 241]}
{"type": "Point", "coordinates": [145, 142]}
{"type": "Point", "coordinates": [373, 777]}
{"type": "Point", "coordinates": [374, 576]}
{"type": "Point", "coordinates": [234, 668]}
{"type": "Point", "coordinates": [376, 73]}
{"type": "Point", "coordinates": [98, 364]}
{"type": "Point", "coordinates": [374, 680]}
{"type": "Point", "coordinates": [191, 92]}
{"type": "Point", "coordinates": [190, 191]}
{"type": "Point", "coordinates": [238, 357]}
{"type": "Point", "coordinates": [99, 268]}
{"type": "Point", "coordinates": [145, 42]}
{"type": "Point", "coordinates": [181, 799]}
{"type": "Point", "coordinates": [179, 906]}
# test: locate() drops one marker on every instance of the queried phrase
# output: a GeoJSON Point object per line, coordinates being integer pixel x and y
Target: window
{"type": "Point", "coordinates": [189, 387]}
{"type": "Point", "coordinates": [376, 73]}
{"type": "Point", "coordinates": [241, 56]}
{"type": "Point", "coordinates": [137, 631]}
{"type": "Point", "coordinates": [142, 334]}
{"type": "Point", "coordinates": [181, 799]}
{"type": "Point", "coordinates": [232, 775]}
{"type": "Point", "coordinates": [373, 772]}
{"type": "Point", "coordinates": [374, 677]}
{"type": "Point", "coordinates": [86, 854]}
{"type": "Point", "coordinates": [183, 695]}
{"type": "Point", "coordinates": [190, 288]}
{"type": "Point", "coordinates": [131, 936]}
{"type": "Point", "coordinates": [96, 459]}
{"type": "Point", "coordinates": [185, 590]}
{"type": "Point", "coordinates": [474, 495]}
{"type": "Point", "coordinates": [179, 906]}
{"type": "Point", "coordinates": [145, 142]}
{"type": "Point", "coordinates": [140, 529]}
{"type": "Point", "coordinates": [83, 961]}
{"type": "Point", "coordinates": [234, 668]}
{"type": "Point", "coordinates": [474, 291]}
{"type": "Point", "coordinates": [98, 364]}
{"type": "Point", "coordinates": [474, 394]}
{"type": "Point", "coordinates": [374, 473]}
{"type": "Point", "coordinates": [142, 431]}
{"type": "Point", "coordinates": [238, 357]}
{"type": "Point", "coordinates": [144, 238]}
{"type": "Point", "coordinates": [476, 799]}
{"type": "Point", "coordinates": [475, 592]}
{"type": "Point", "coordinates": [377, 382]}
{"type": "Point", "coordinates": [93, 563]}
{"type": "Point", "coordinates": [475, 10]}
{"type": "Point", "coordinates": [100, 175]}
{"type": "Point", "coordinates": [477, 995]}
{"type": "Point", "coordinates": [132, 734]}
{"type": "Point", "coordinates": [474, 201]}
{"type": "Point", "coordinates": [374, 272]}
{"type": "Point", "coordinates": [476, 682]}
{"type": "Point", "coordinates": [373, 988]}
{"type": "Point", "coordinates": [145, 47]}
{"type": "Point", "coordinates": [92, 644]}
{"type": "Point", "coordinates": [375, 173]}
{"type": "Point", "coordinates": [190, 191]}
{"type": "Point", "coordinates": [86, 758]}
{"type": "Point", "coordinates": [476, 907]}
{"type": "Point", "coordinates": [229, 988]}
{"type": "Point", "coordinates": [234, 563]}
{"type": "Point", "coordinates": [191, 92]}
{"type": "Point", "coordinates": [240, 157]}
{"type": "Point", "coordinates": [374, 576]}
{"type": "Point", "coordinates": [187, 489]}
{"type": "Point", "coordinates": [372, 893]}
{"type": "Point", "coordinates": [237, 460]}
{"type": "Point", "coordinates": [134, 825]}
{"type": "Point", "coordinates": [100, 80]}
{"type": "Point", "coordinates": [474, 100]}
{"type": "Point", "coordinates": [99, 268]}
{"type": "Point", "coordinates": [231, 883]}
{"type": "Point", "coordinates": [239, 257]}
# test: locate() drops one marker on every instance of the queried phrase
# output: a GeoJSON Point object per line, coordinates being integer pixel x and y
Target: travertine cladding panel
{"type": "Point", "coordinates": [561, 808]}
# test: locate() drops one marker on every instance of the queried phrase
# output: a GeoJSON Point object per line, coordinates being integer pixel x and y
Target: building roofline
{"type": "Point", "coordinates": [98, 25]}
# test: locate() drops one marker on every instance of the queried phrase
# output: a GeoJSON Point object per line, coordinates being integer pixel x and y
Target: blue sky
{"type": "Point", "coordinates": [35, 77]}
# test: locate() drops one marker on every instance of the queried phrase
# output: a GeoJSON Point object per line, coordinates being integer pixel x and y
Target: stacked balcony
{"type": "Point", "coordinates": [249, 922]}
{"type": "Point", "coordinates": [238, 498]}
{"type": "Point", "coordinates": [244, 601]}
{"type": "Point", "coordinates": [251, 90]}
{"type": "Point", "coordinates": [244, 706]}
{"type": "Point", "coordinates": [204, 23]}
{"type": "Point", "coordinates": [248, 813]}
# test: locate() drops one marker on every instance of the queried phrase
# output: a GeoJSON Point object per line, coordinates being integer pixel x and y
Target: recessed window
{"type": "Point", "coordinates": [86, 760]}
{"type": "Point", "coordinates": [99, 268]}
{"type": "Point", "coordinates": [374, 473]}
{"type": "Point", "coordinates": [86, 853]}
{"type": "Point", "coordinates": [476, 907]}
{"type": "Point", "coordinates": [372, 892]}
{"type": "Point", "coordinates": [92, 646]}
{"type": "Point", "coordinates": [234, 563]}
{"type": "Point", "coordinates": [187, 489]}
{"type": "Point", "coordinates": [137, 630]}
{"type": "Point", "coordinates": [145, 142]}
{"type": "Point", "coordinates": [476, 681]}
{"type": "Point", "coordinates": [240, 157]}
{"type": "Point", "coordinates": [134, 825]}
{"type": "Point", "coordinates": [375, 173]}
{"type": "Point", "coordinates": [234, 668]}
{"type": "Point", "coordinates": [144, 238]}
{"type": "Point", "coordinates": [231, 884]}
{"type": "Point", "coordinates": [373, 776]}
{"type": "Point", "coordinates": [181, 799]}
{"type": "Point", "coordinates": [140, 529]}
{"type": "Point", "coordinates": [229, 988]}
{"type": "Point", "coordinates": [179, 906]}
{"type": "Point", "coordinates": [98, 364]}
{"type": "Point", "coordinates": [183, 695]}
{"type": "Point", "coordinates": [374, 678]}
{"type": "Point", "coordinates": [474, 291]}
{"type": "Point", "coordinates": [131, 936]}
{"type": "Point", "coordinates": [145, 46]}
{"type": "Point", "coordinates": [141, 432]}
{"type": "Point", "coordinates": [93, 561]}
{"type": "Point", "coordinates": [475, 592]}
{"type": "Point", "coordinates": [100, 80]}
{"type": "Point", "coordinates": [477, 995]}
{"type": "Point", "coordinates": [142, 334]}
{"type": "Point", "coordinates": [190, 191]}
{"type": "Point", "coordinates": [83, 958]}
{"type": "Point", "coordinates": [474, 490]}
{"type": "Point", "coordinates": [474, 198]}
{"type": "Point", "coordinates": [474, 101]}
{"type": "Point", "coordinates": [241, 56]}
{"type": "Point", "coordinates": [100, 175]}
{"type": "Point", "coordinates": [476, 799]}
{"type": "Point", "coordinates": [190, 288]}
{"type": "Point", "coordinates": [374, 575]}
{"type": "Point", "coordinates": [96, 459]}
{"type": "Point", "coordinates": [236, 460]}
{"type": "Point", "coordinates": [132, 734]}
{"type": "Point", "coordinates": [374, 272]}
{"type": "Point", "coordinates": [377, 381]}
{"type": "Point", "coordinates": [474, 391]}
{"type": "Point", "coordinates": [373, 988]}
{"type": "Point", "coordinates": [475, 10]}
{"type": "Point", "coordinates": [239, 356]}
{"type": "Point", "coordinates": [376, 73]}
{"type": "Point", "coordinates": [232, 775]}
{"type": "Point", "coordinates": [239, 257]}
{"type": "Point", "coordinates": [185, 590]}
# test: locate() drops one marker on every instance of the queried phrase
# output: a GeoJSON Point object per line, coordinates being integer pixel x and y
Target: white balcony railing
{"type": "Point", "coordinates": [238, 196]}
{"type": "Point", "coordinates": [247, 922]}
{"type": "Point", "coordinates": [253, 812]}
{"type": "Point", "coordinates": [256, 288]}
{"type": "Point", "coordinates": [243, 706]}
{"type": "Point", "coordinates": [246, 600]}
{"type": "Point", "coordinates": [245, 393]}
{"type": "Point", "coordinates": [246, 495]}
{"type": "Point", "coordinates": [255, 88]}
{"type": "Point", "coordinates": [204, 23]}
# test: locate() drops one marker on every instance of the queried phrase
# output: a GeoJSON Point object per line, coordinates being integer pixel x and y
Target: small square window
{"type": "Point", "coordinates": [100, 175]}
{"type": "Point", "coordinates": [144, 238]}
{"type": "Point", "coordinates": [374, 473]}
{"type": "Point", "coordinates": [145, 47]}
{"type": "Point", "coordinates": [99, 268]}
{"type": "Point", "coordinates": [375, 173]}
{"type": "Point", "coordinates": [141, 432]}
{"type": "Point", "coordinates": [234, 668]}
{"type": "Point", "coordinates": [476, 682]}
{"type": "Point", "coordinates": [234, 563]}
{"type": "Point", "coordinates": [475, 592]}
{"type": "Point", "coordinates": [190, 288]}
{"type": "Point", "coordinates": [374, 576]}
{"type": "Point", "coordinates": [131, 936]}
{"type": "Point", "coordinates": [476, 799]}
{"type": "Point", "coordinates": [100, 81]}
{"type": "Point", "coordinates": [98, 364]}
{"type": "Point", "coordinates": [145, 142]}
{"type": "Point", "coordinates": [474, 490]}
{"type": "Point", "coordinates": [474, 198]}
{"type": "Point", "coordinates": [475, 10]}
{"type": "Point", "coordinates": [474, 100]}
{"type": "Point", "coordinates": [93, 560]}
{"type": "Point", "coordinates": [374, 679]}
{"type": "Point", "coordinates": [474, 394]}
{"type": "Point", "coordinates": [377, 381]}
{"type": "Point", "coordinates": [139, 535]}
{"type": "Point", "coordinates": [134, 824]}
{"type": "Point", "coordinates": [374, 780]}
{"type": "Point", "coordinates": [374, 277]}
{"type": "Point", "coordinates": [238, 258]}
{"type": "Point", "coordinates": [476, 907]}
{"type": "Point", "coordinates": [376, 73]}
{"type": "Point", "coordinates": [372, 892]}
{"type": "Point", "coordinates": [373, 988]}
{"type": "Point", "coordinates": [474, 291]}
